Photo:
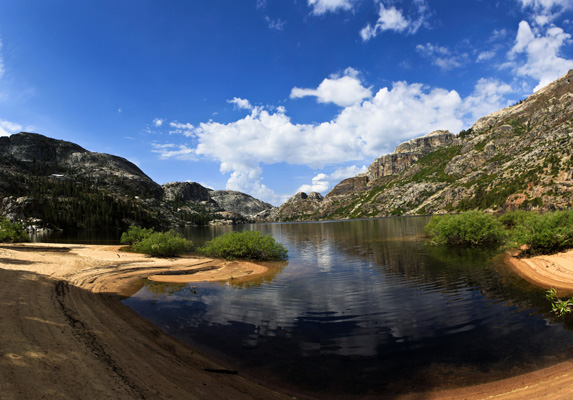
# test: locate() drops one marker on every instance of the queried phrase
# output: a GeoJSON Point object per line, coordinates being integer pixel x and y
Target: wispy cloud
{"type": "Point", "coordinates": [182, 129]}
{"type": "Point", "coordinates": [393, 19]}
{"type": "Point", "coordinates": [320, 7]}
{"type": "Point", "coordinates": [275, 24]}
{"type": "Point", "coordinates": [173, 151]}
{"type": "Point", "coordinates": [442, 56]}
{"type": "Point", "coordinates": [8, 128]}
{"type": "Point", "coordinates": [545, 11]}
{"type": "Point", "coordinates": [486, 55]}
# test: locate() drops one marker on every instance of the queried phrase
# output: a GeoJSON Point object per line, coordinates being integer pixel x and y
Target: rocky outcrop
{"type": "Point", "coordinates": [300, 206]}
{"type": "Point", "coordinates": [426, 144]}
{"type": "Point", "coordinates": [379, 172]}
{"type": "Point", "coordinates": [408, 153]}
{"type": "Point", "coordinates": [239, 203]}
{"type": "Point", "coordinates": [518, 157]}
{"type": "Point", "coordinates": [185, 192]}
{"type": "Point", "coordinates": [350, 185]}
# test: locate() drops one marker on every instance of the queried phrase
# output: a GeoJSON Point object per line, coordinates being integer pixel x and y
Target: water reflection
{"type": "Point", "coordinates": [363, 307]}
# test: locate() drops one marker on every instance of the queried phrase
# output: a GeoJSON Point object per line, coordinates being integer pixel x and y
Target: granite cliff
{"type": "Point", "coordinates": [239, 203]}
{"type": "Point", "coordinates": [517, 158]}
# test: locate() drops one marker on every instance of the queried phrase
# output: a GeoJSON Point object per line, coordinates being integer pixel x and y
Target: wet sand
{"type": "Point", "coordinates": [65, 334]}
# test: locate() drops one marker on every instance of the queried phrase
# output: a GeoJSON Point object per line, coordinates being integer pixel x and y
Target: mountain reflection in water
{"type": "Point", "coordinates": [364, 307]}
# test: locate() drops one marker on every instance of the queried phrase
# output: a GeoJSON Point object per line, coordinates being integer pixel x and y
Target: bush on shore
{"type": "Point", "coordinates": [468, 229]}
{"type": "Point", "coordinates": [537, 233]}
{"type": "Point", "coordinates": [135, 234]}
{"type": "Point", "coordinates": [245, 245]}
{"type": "Point", "coordinates": [11, 232]}
{"type": "Point", "coordinates": [545, 233]}
{"type": "Point", "coordinates": [156, 244]}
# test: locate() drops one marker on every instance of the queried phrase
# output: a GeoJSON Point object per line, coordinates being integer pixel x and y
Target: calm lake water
{"type": "Point", "coordinates": [365, 308]}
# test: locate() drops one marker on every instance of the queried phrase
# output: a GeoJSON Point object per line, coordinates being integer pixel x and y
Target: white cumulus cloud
{"type": "Point", "coordinates": [536, 53]}
{"type": "Point", "coordinates": [322, 183]}
{"type": "Point", "coordinates": [343, 90]}
{"type": "Point", "coordinates": [157, 122]}
{"type": "Point", "coordinates": [241, 103]}
{"type": "Point", "coordinates": [360, 131]}
{"type": "Point", "coordinates": [488, 96]}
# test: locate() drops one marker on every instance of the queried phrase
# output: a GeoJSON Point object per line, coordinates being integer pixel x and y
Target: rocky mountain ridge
{"type": "Point", "coordinates": [53, 183]}
{"type": "Point", "coordinates": [517, 158]}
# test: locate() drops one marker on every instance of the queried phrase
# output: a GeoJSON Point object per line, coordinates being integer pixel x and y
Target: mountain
{"type": "Point", "coordinates": [52, 183]}
{"type": "Point", "coordinates": [517, 158]}
{"type": "Point", "coordinates": [239, 203]}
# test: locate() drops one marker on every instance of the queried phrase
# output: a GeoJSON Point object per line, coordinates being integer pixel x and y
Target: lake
{"type": "Point", "coordinates": [364, 307]}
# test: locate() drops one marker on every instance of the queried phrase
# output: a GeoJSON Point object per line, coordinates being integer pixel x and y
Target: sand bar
{"type": "Point", "coordinates": [554, 270]}
{"type": "Point", "coordinates": [64, 334]}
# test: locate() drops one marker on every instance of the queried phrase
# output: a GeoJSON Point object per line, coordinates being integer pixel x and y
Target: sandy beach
{"type": "Point", "coordinates": [552, 271]}
{"type": "Point", "coordinates": [65, 334]}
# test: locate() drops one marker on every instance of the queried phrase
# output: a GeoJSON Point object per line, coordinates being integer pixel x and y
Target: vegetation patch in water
{"type": "Point", "coordinates": [535, 233]}
{"type": "Point", "coordinates": [469, 229]}
{"type": "Point", "coordinates": [245, 245]}
{"type": "Point", "coordinates": [559, 306]}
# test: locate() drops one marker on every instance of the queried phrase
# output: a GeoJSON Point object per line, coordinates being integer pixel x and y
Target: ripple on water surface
{"type": "Point", "coordinates": [359, 311]}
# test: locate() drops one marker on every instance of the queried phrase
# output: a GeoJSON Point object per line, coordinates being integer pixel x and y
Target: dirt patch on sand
{"type": "Point", "coordinates": [65, 334]}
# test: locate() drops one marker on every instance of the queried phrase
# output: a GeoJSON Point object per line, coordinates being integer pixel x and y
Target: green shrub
{"type": "Point", "coordinates": [513, 218]}
{"type": "Point", "coordinates": [545, 233]}
{"type": "Point", "coordinates": [11, 232]}
{"type": "Point", "coordinates": [163, 244]}
{"type": "Point", "coordinates": [135, 234]}
{"type": "Point", "coordinates": [245, 245]}
{"type": "Point", "coordinates": [559, 306]}
{"type": "Point", "coordinates": [468, 229]}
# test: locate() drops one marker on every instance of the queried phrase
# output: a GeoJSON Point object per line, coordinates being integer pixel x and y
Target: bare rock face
{"type": "Point", "coordinates": [408, 153]}
{"type": "Point", "coordinates": [299, 206]}
{"type": "Point", "coordinates": [349, 185]}
{"type": "Point", "coordinates": [426, 144]}
{"type": "Point", "coordinates": [239, 203]}
{"type": "Point", "coordinates": [315, 196]}
{"type": "Point", "coordinates": [185, 192]}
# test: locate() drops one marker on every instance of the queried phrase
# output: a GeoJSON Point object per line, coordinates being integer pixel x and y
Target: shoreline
{"type": "Point", "coordinates": [551, 271]}
{"type": "Point", "coordinates": [66, 334]}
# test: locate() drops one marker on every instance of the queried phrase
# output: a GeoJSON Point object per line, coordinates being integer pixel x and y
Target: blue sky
{"type": "Point", "coordinates": [269, 97]}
